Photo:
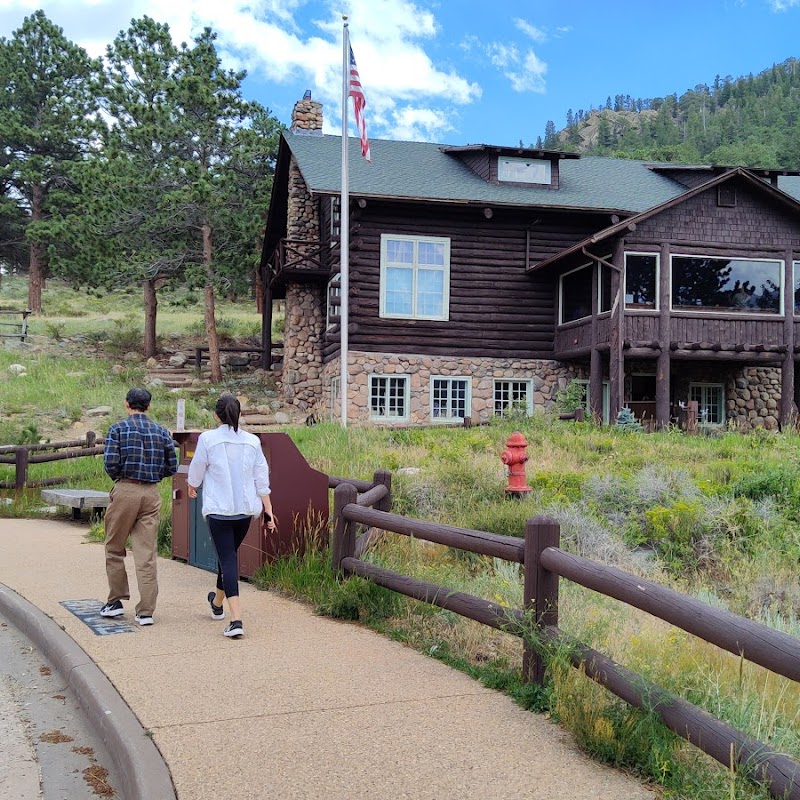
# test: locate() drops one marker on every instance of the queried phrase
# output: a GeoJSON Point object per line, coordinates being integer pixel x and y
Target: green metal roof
{"type": "Point", "coordinates": [420, 170]}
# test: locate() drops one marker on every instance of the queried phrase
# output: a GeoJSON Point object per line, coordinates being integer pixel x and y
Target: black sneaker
{"type": "Point", "coordinates": [217, 612]}
{"type": "Point", "coordinates": [234, 630]}
{"type": "Point", "coordinates": [114, 609]}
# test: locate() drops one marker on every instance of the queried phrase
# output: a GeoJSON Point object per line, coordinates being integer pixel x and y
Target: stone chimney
{"type": "Point", "coordinates": [307, 116]}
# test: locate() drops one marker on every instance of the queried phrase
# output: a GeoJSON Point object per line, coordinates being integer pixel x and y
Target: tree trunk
{"type": "Point", "coordinates": [37, 256]}
{"type": "Point", "coordinates": [150, 312]}
{"type": "Point", "coordinates": [210, 318]}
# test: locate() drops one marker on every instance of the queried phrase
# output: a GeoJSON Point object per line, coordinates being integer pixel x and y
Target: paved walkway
{"type": "Point", "coordinates": [303, 706]}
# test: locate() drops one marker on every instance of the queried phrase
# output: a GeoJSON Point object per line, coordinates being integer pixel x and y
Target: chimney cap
{"type": "Point", "coordinates": [307, 95]}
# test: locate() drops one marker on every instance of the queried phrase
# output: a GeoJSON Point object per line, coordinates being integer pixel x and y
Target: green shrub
{"type": "Point", "coordinates": [674, 532]}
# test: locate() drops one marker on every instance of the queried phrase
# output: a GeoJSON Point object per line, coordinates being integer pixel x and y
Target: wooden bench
{"type": "Point", "coordinates": [77, 500]}
{"type": "Point", "coordinates": [14, 330]}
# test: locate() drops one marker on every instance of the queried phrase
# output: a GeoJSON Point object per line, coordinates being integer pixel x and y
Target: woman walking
{"type": "Point", "coordinates": [231, 467]}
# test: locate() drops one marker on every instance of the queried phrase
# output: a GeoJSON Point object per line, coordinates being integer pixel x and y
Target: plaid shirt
{"type": "Point", "coordinates": [140, 449]}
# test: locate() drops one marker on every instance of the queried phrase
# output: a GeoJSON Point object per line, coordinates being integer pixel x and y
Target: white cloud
{"type": "Point", "coordinates": [537, 34]}
{"type": "Point", "coordinates": [531, 78]}
{"type": "Point", "coordinates": [420, 124]}
{"type": "Point", "coordinates": [298, 43]}
{"type": "Point", "coordinates": [783, 5]}
{"type": "Point", "coordinates": [502, 55]}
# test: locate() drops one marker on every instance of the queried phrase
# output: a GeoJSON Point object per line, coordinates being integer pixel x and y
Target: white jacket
{"type": "Point", "coordinates": [234, 473]}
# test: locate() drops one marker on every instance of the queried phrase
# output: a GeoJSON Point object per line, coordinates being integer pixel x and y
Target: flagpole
{"type": "Point", "coordinates": [344, 228]}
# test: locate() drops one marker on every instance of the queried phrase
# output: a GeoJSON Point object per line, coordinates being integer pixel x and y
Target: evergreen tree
{"type": "Point", "coordinates": [47, 109]}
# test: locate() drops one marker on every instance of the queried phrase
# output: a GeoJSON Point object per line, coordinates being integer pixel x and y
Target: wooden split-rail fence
{"type": "Point", "coordinates": [23, 455]}
{"type": "Point", "coordinates": [537, 622]}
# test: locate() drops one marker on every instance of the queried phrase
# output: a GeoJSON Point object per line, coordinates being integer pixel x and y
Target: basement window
{"type": "Point", "coordinates": [388, 398]}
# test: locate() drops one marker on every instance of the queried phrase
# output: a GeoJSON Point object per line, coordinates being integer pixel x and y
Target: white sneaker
{"type": "Point", "coordinates": [143, 620]}
{"type": "Point", "coordinates": [234, 630]}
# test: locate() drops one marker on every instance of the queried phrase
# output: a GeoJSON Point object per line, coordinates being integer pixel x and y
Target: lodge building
{"type": "Point", "coordinates": [484, 279]}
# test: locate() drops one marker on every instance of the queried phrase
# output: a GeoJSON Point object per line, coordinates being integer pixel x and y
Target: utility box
{"type": "Point", "coordinates": [299, 496]}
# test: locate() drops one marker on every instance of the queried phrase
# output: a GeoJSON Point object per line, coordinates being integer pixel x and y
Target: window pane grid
{"type": "Point", "coordinates": [449, 398]}
{"type": "Point", "coordinates": [510, 396]}
{"type": "Point", "coordinates": [414, 277]}
{"type": "Point", "coordinates": [387, 397]}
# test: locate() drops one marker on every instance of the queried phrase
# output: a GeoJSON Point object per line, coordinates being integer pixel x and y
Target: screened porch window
{"type": "Point", "coordinates": [738, 285]}
{"type": "Point", "coordinates": [796, 271]}
{"type": "Point", "coordinates": [576, 294]}
{"type": "Point", "coordinates": [641, 281]}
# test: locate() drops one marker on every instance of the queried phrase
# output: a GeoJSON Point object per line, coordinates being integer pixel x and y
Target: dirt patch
{"type": "Point", "coordinates": [55, 737]}
{"type": "Point", "coordinates": [97, 777]}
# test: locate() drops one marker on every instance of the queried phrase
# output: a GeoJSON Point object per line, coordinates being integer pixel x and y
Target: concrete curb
{"type": "Point", "coordinates": [137, 759]}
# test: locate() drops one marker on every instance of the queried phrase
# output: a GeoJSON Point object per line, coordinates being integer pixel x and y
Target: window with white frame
{"type": "Point", "coordinates": [450, 398]}
{"type": "Point", "coordinates": [796, 270]}
{"type": "Point", "coordinates": [334, 301]}
{"type": "Point", "coordinates": [388, 397]}
{"type": "Point", "coordinates": [335, 404]}
{"type": "Point", "coordinates": [641, 281]}
{"type": "Point", "coordinates": [575, 294]}
{"type": "Point", "coordinates": [746, 285]}
{"type": "Point", "coordinates": [513, 397]}
{"type": "Point", "coordinates": [586, 401]}
{"type": "Point", "coordinates": [710, 399]}
{"type": "Point", "coordinates": [524, 170]}
{"type": "Point", "coordinates": [415, 277]}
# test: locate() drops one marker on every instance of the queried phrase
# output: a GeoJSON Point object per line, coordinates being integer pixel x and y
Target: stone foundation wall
{"type": "Point", "coordinates": [302, 351]}
{"type": "Point", "coordinates": [752, 394]}
{"type": "Point", "coordinates": [754, 398]}
{"type": "Point", "coordinates": [547, 377]}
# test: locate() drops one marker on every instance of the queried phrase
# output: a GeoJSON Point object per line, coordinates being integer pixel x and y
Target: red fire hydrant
{"type": "Point", "coordinates": [514, 457]}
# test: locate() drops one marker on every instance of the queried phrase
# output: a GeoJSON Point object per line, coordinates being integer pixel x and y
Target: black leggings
{"type": "Point", "coordinates": [228, 535]}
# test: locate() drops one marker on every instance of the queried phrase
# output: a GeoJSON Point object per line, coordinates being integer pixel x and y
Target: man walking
{"type": "Point", "coordinates": [138, 454]}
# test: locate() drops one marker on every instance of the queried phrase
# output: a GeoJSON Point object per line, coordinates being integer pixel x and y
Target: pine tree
{"type": "Point", "coordinates": [47, 108]}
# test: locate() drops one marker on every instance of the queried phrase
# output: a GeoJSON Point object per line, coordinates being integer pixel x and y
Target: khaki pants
{"type": "Point", "coordinates": [133, 511]}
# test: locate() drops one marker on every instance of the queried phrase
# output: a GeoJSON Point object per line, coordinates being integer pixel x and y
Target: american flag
{"type": "Point", "coordinates": [359, 101]}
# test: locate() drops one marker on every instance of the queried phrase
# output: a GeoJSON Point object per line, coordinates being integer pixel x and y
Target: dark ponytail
{"type": "Point", "coordinates": [228, 410]}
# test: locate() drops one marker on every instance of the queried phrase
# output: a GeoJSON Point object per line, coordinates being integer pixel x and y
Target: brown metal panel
{"type": "Point", "coordinates": [180, 515]}
{"type": "Point", "coordinates": [299, 500]}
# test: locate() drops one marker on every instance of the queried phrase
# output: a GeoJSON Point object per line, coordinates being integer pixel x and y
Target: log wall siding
{"type": "Point", "coordinates": [496, 309]}
{"type": "Point", "coordinates": [752, 222]}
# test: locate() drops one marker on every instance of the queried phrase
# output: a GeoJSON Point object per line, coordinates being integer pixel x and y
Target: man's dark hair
{"type": "Point", "coordinates": [228, 410]}
{"type": "Point", "coordinates": [138, 399]}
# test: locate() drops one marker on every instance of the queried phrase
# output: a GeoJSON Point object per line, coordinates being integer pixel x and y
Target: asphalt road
{"type": "Point", "coordinates": [48, 750]}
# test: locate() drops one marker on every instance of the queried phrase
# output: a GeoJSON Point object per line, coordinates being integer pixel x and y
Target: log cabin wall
{"type": "Point", "coordinates": [495, 310]}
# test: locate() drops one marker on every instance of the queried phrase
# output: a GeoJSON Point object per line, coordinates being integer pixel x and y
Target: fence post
{"type": "Point", "coordinates": [384, 476]}
{"type": "Point", "coordinates": [91, 438]}
{"type": "Point", "coordinates": [21, 465]}
{"type": "Point", "coordinates": [343, 530]}
{"type": "Point", "coordinates": [540, 592]}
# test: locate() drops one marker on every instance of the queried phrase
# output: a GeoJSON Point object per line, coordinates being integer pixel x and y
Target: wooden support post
{"type": "Point", "coordinates": [91, 438]}
{"type": "Point", "coordinates": [383, 477]}
{"type": "Point", "coordinates": [540, 592]}
{"type": "Point", "coordinates": [344, 542]}
{"type": "Point", "coordinates": [788, 408]}
{"type": "Point", "coordinates": [266, 327]}
{"type": "Point", "coordinates": [596, 385]}
{"type": "Point", "coordinates": [616, 367]}
{"type": "Point", "coordinates": [21, 468]}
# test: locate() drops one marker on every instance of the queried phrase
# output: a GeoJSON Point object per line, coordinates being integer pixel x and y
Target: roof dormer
{"type": "Point", "coordinates": [515, 166]}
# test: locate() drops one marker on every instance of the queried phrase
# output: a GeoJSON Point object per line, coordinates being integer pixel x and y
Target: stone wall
{"type": "Point", "coordinates": [303, 336]}
{"type": "Point", "coordinates": [754, 398]}
{"type": "Point", "coordinates": [307, 117]}
{"type": "Point", "coordinates": [752, 394]}
{"type": "Point", "coordinates": [547, 377]}
{"type": "Point", "coordinates": [302, 215]}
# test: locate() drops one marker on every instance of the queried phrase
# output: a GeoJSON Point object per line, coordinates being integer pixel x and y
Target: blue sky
{"type": "Point", "coordinates": [458, 71]}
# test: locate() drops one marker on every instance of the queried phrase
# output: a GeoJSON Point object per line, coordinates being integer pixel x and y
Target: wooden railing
{"type": "Point", "coordinates": [22, 455]}
{"type": "Point", "coordinates": [537, 624]}
{"type": "Point", "coordinates": [14, 330]}
{"type": "Point", "coordinates": [309, 255]}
